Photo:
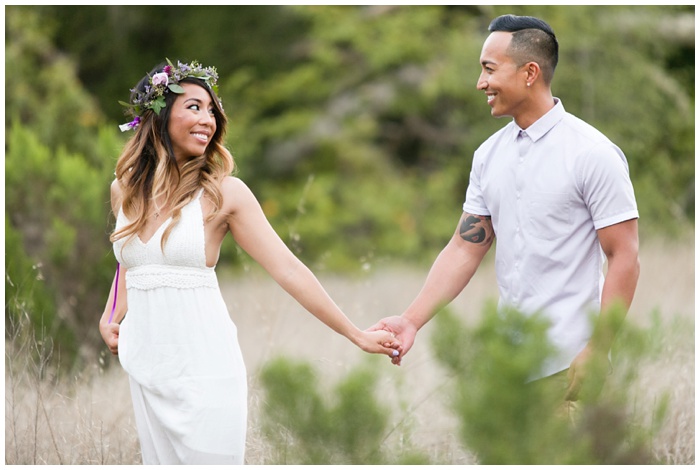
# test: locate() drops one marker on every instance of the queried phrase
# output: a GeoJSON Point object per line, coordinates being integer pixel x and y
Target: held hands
{"type": "Point", "coordinates": [110, 335]}
{"type": "Point", "coordinates": [404, 330]}
{"type": "Point", "coordinates": [380, 342]}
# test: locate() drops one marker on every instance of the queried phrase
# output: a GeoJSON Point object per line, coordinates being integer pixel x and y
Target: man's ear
{"type": "Point", "coordinates": [532, 72]}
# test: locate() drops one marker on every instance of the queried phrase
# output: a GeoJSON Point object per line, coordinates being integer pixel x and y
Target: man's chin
{"type": "Point", "coordinates": [497, 114]}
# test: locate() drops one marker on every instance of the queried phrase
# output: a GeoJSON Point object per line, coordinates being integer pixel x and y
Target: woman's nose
{"type": "Point", "coordinates": [207, 118]}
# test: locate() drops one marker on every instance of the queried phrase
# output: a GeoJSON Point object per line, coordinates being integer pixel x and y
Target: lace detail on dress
{"type": "Point", "coordinates": [154, 276]}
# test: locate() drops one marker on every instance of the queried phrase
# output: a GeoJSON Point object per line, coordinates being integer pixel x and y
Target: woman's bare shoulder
{"type": "Point", "coordinates": [115, 195]}
{"type": "Point", "coordinates": [115, 187]}
{"type": "Point", "coordinates": [233, 183]}
{"type": "Point", "coordinates": [238, 197]}
{"type": "Point", "coordinates": [234, 191]}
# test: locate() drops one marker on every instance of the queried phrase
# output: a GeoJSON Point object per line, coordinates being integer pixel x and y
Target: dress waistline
{"type": "Point", "coordinates": [153, 276]}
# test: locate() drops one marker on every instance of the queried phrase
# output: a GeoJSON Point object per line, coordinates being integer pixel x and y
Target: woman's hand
{"type": "Point", "coordinates": [379, 342]}
{"type": "Point", "coordinates": [110, 335]}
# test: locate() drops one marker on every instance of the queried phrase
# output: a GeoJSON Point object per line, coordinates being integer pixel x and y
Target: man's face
{"type": "Point", "coordinates": [501, 79]}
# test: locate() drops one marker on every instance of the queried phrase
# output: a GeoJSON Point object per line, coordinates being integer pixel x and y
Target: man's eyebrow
{"type": "Point", "coordinates": [487, 62]}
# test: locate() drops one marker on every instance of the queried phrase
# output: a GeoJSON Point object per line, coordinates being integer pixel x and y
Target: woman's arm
{"type": "Point", "coordinates": [254, 234]}
{"type": "Point", "coordinates": [114, 310]}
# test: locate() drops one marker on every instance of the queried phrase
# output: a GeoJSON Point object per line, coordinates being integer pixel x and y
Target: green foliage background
{"type": "Point", "coordinates": [354, 126]}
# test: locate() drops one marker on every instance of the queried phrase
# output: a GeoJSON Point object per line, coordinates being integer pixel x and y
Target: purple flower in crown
{"type": "Point", "coordinates": [130, 125]}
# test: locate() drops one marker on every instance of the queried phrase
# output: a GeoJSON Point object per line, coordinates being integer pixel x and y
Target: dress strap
{"type": "Point", "coordinates": [116, 291]}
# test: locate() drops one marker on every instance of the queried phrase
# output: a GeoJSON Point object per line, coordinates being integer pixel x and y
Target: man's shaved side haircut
{"type": "Point", "coordinates": [533, 41]}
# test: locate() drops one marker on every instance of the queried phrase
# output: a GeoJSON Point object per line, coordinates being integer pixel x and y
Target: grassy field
{"type": "Point", "coordinates": [87, 418]}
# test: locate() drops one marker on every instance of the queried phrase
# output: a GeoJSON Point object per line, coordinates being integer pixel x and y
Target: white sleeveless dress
{"type": "Point", "coordinates": [180, 348]}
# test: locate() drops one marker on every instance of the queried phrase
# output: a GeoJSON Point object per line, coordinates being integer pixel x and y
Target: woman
{"type": "Point", "coordinates": [174, 203]}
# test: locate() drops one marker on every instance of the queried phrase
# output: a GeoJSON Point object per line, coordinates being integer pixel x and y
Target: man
{"type": "Point", "coordinates": [556, 195]}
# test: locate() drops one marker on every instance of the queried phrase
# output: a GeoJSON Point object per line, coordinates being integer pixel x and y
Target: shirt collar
{"type": "Point", "coordinates": [543, 124]}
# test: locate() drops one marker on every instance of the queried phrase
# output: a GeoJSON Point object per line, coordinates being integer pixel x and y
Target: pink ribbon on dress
{"type": "Point", "coordinates": [116, 290]}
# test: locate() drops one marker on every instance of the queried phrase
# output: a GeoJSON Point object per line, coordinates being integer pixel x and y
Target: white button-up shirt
{"type": "Point", "coordinates": [548, 189]}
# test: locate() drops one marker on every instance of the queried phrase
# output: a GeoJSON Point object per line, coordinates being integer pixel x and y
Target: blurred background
{"type": "Point", "coordinates": [354, 126]}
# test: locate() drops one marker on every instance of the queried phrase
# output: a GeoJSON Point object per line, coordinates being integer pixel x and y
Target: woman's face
{"type": "Point", "coordinates": [192, 122]}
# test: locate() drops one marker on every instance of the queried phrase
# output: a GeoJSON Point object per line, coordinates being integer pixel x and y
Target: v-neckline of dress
{"type": "Point", "coordinates": [160, 227]}
{"type": "Point", "coordinates": [138, 236]}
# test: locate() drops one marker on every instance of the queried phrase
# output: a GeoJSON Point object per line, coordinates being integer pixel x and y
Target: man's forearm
{"type": "Point", "coordinates": [618, 292]}
{"type": "Point", "coordinates": [449, 275]}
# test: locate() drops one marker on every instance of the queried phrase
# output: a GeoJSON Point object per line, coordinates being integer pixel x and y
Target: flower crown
{"type": "Point", "coordinates": [164, 82]}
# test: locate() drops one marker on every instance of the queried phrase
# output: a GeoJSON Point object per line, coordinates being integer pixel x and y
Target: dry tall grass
{"type": "Point", "coordinates": [87, 418]}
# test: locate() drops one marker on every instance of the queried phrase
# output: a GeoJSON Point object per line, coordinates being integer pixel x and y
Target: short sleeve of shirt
{"type": "Point", "coordinates": [474, 202]}
{"type": "Point", "coordinates": [606, 186]}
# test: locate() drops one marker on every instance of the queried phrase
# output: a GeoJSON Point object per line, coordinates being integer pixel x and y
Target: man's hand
{"type": "Point", "coordinates": [404, 330]}
{"type": "Point", "coordinates": [587, 374]}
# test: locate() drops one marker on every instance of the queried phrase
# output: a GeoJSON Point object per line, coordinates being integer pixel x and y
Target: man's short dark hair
{"type": "Point", "coordinates": [533, 41]}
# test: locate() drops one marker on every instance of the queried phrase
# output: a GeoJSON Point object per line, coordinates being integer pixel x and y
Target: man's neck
{"type": "Point", "coordinates": [538, 107]}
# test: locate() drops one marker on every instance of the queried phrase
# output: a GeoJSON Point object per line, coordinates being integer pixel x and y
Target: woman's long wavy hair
{"type": "Point", "coordinates": [147, 170]}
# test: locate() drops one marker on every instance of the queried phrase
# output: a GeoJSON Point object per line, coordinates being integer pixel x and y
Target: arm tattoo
{"type": "Point", "coordinates": [475, 228]}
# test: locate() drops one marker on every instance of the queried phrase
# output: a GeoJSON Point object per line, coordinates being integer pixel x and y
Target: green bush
{"type": "Point", "coordinates": [503, 419]}
{"type": "Point", "coordinates": [310, 425]}
{"type": "Point", "coordinates": [507, 421]}
{"type": "Point", "coordinates": [30, 308]}
{"type": "Point", "coordinates": [58, 219]}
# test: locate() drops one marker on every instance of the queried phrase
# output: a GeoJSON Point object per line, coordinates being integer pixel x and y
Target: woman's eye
{"type": "Point", "coordinates": [194, 106]}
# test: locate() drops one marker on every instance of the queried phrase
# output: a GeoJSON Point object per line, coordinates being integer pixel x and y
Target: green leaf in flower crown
{"type": "Point", "coordinates": [158, 104]}
{"type": "Point", "coordinates": [175, 88]}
